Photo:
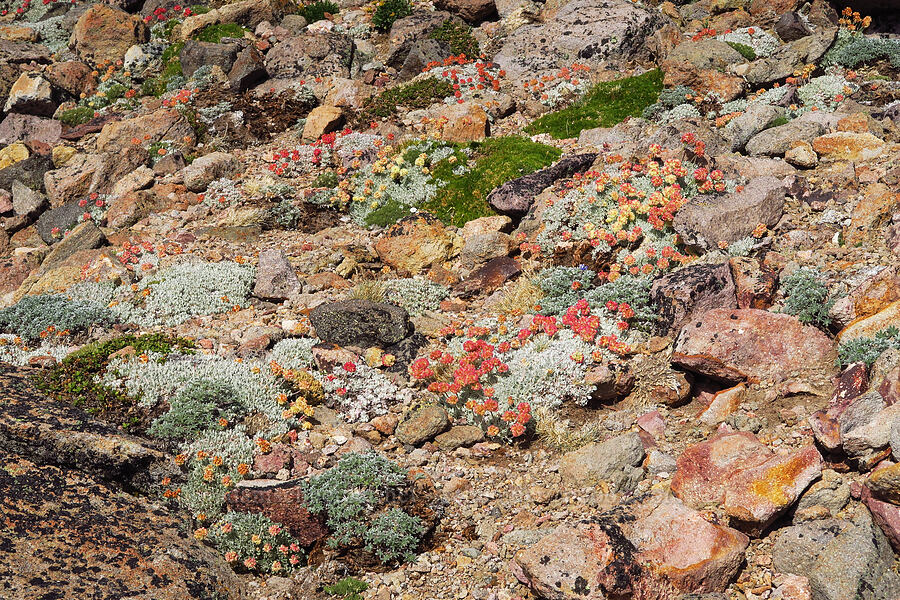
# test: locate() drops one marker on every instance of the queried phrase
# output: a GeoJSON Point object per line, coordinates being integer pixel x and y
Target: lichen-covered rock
{"type": "Point", "coordinates": [282, 502]}
{"type": "Point", "coordinates": [104, 33]}
{"type": "Point", "coordinates": [687, 293]}
{"type": "Point", "coordinates": [515, 197]}
{"type": "Point", "coordinates": [360, 323]}
{"type": "Point", "coordinates": [615, 461]}
{"type": "Point", "coordinates": [423, 425]}
{"type": "Point", "coordinates": [415, 243]}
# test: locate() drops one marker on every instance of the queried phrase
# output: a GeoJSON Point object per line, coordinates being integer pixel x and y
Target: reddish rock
{"type": "Point", "coordinates": [488, 278]}
{"type": "Point", "coordinates": [72, 76]}
{"type": "Point", "coordinates": [280, 501]}
{"type": "Point", "coordinates": [166, 123]}
{"type": "Point", "coordinates": [754, 283]}
{"type": "Point", "coordinates": [270, 463]}
{"type": "Point", "coordinates": [329, 356]}
{"type": "Point", "coordinates": [869, 326]}
{"type": "Point", "coordinates": [680, 546]}
{"type": "Point", "coordinates": [851, 383]}
{"type": "Point", "coordinates": [750, 482]}
{"type": "Point", "coordinates": [871, 213]}
{"type": "Point", "coordinates": [754, 345]}
{"type": "Point", "coordinates": [104, 33]}
{"type": "Point", "coordinates": [385, 424]}
{"type": "Point", "coordinates": [722, 404]}
{"type": "Point", "coordinates": [324, 281]}
{"type": "Point", "coordinates": [653, 423]}
{"type": "Point", "coordinates": [847, 145]}
{"type": "Point", "coordinates": [885, 514]}
{"type": "Point", "coordinates": [461, 123]}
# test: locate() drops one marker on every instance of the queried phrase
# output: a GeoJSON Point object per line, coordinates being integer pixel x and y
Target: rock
{"type": "Point", "coordinates": [140, 178]}
{"type": "Point", "coordinates": [13, 154]}
{"type": "Point", "coordinates": [884, 483]}
{"type": "Point", "coordinates": [792, 587]}
{"type": "Point", "coordinates": [165, 123]}
{"type": "Point", "coordinates": [702, 66]}
{"type": "Point", "coordinates": [414, 244]}
{"type": "Point", "coordinates": [408, 31]}
{"type": "Point", "coordinates": [248, 69]}
{"type": "Point", "coordinates": [247, 12]}
{"type": "Point", "coordinates": [801, 154]}
{"type": "Point", "coordinates": [280, 501]}
{"type": "Point", "coordinates": [275, 277]}
{"type": "Point", "coordinates": [885, 514]}
{"type": "Point", "coordinates": [754, 283]}
{"type": "Point", "coordinates": [841, 559]}
{"type": "Point", "coordinates": [870, 214]}
{"type": "Point", "coordinates": [18, 127]}
{"type": "Point", "coordinates": [470, 11]}
{"type": "Point", "coordinates": [866, 438]}
{"type": "Point", "coordinates": [423, 425]}
{"type": "Point", "coordinates": [489, 278]}
{"type": "Point", "coordinates": [870, 325]}
{"type": "Point", "coordinates": [84, 236]}
{"type": "Point", "coordinates": [592, 30]}
{"type": "Point", "coordinates": [756, 118]}
{"type": "Point", "coordinates": [104, 33]}
{"type": "Point", "coordinates": [360, 323]}
{"type": "Point", "coordinates": [72, 76]}
{"type": "Point", "coordinates": [692, 554]}
{"type": "Point", "coordinates": [27, 202]}
{"type": "Point", "coordinates": [754, 345]}
{"type": "Point", "coordinates": [196, 54]}
{"type": "Point", "coordinates": [848, 145]}
{"type": "Point", "coordinates": [832, 492]}
{"type": "Point", "coordinates": [704, 222]}
{"type": "Point", "coordinates": [788, 58]}
{"type": "Point", "coordinates": [422, 52]}
{"type": "Point", "coordinates": [683, 295]}
{"type": "Point", "coordinates": [60, 219]}
{"type": "Point", "coordinates": [310, 55]}
{"type": "Point", "coordinates": [776, 141]}
{"type": "Point", "coordinates": [723, 404]}
{"type": "Point", "coordinates": [466, 122]}
{"type": "Point", "coordinates": [322, 120]}
{"type": "Point", "coordinates": [209, 167]}
{"type": "Point", "coordinates": [615, 461]}
{"type": "Point", "coordinates": [791, 27]}
{"type": "Point", "coordinates": [31, 94]}
{"type": "Point", "coordinates": [459, 436]}
{"type": "Point", "coordinates": [514, 198]}
{"type": "Point", "coordinates": [751, 483]}
{"type": "Point", "coordinates": [851, 383]}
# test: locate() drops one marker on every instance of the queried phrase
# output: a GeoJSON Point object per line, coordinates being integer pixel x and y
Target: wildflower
{"type": "Point", "coordinates": [201, 533]}
{"type": "Point", "coordinates": [250, 563]}
{"type": "Point", "coordinates": [231, 556]}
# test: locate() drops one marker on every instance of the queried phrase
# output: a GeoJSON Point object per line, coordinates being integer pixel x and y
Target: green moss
{"type": "Point", "coordinates": [605, 105]}
{"type": "Point", "coordinates": [777, 122]}
{"type": "Point", "coordinates": [215, 33]}
{"type": "Point", "coordinates": [328, 179]}
{"type": "Point", "coordinates": [389, 11]}
{"type": "Point", "coordinates": [77, 116]}
{"type": "Point", "coordinates": [348, 588]}
{"type": "Point", "coordinates": [459, 37]}
{"type": "Point", "coordinates": [316, 11]}
{"type": "Point", "coordinates": [157, 86]}
{"type": "Point", "coordinates": [497, 161]}
{"type": "Point", "coordinates": [744, 50]}
{"type": "Point", "coordinates": [412, 96]}
{"type": "Point", "coordinates": [73, 380]}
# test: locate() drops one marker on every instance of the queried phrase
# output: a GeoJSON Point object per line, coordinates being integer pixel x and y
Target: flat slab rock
{"type": "Point", "coordinates": [754, 345]}
{"type": "Point", "coordinates": [669, 549]}
{"type": "Point", "coordinates": [734, 470]}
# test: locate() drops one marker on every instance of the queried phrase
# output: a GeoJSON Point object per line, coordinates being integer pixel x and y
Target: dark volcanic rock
{"type": "Point", "coordinates": [515, 197]}
{"type": "Point", "coordinates": [360, 323]}
{"type": "Point", "coordinates": [488, 278]}
{"type": "Point", "coordinates": [691, 291]}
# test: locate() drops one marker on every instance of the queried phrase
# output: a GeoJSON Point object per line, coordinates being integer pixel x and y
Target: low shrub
{"type": "Point", "coordinates": [806, 297]}
{"type": "Point", "coordinates": [388, 11]}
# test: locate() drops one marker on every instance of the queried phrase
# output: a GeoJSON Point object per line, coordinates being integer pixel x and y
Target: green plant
{"type": "Point", "coordinates": [807, 297]}
{"type": "Point", "coordinates": [744, 50]}
{"type": "Point", "coordinates": [606, 104]}
{"type": "Point", "coordinates": [867, 350]}
{"type": "Point", "coordinates": [33, 317]}
{"type": "Point", "coordinates": [389, 11]}
{"type": "Point", "coordinates": [316, 11]}
{"type": "Point", "coordinates": [418, 94]}
{"type": "Point", "coordinates": [76, 116]}
{"type": "Point", "coordinates": [74, 380]}
{"type": "Point", "coordinates": [459, 37]}
{"type": "Point", "coordinates": [196, 408]}
{"type": "Point", "coordinates": [394, 535]}
{"type": "Point", "coordinates": [215, 32]}
{"type": "Point", "coordinates": [350, 496]}
{"type": "Point", "coordinates": [497, 160]}
{"type": "Point", "coordinates": [348, 588]}
{"type": "Point", "coordinates": [328, 179]}
{"type": "Point", "coordinates": [778, 122]}
{"type": "Point", "coordinates": [255, 542]}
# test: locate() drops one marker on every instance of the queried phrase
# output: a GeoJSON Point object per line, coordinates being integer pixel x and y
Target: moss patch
{"type": "Point", "coordinates": [459, 37]}
{"type": "Point", "coordinates": [412, 96]}
{"type": "Point", "coordinates": [76, 116]}
{"type": "Point", "coordinates": [605, 105]}
{"type": "Point", "coordinates": [497, 160]}
{"type": "Point", "coordinates": [72, 381]}
{"type": "Point", "coordinates": [316, 11]}
{"type": "Point", "coordinates": [215, 33]}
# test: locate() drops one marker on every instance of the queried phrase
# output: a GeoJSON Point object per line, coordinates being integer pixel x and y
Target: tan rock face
{"type": "Point", "coordinates": [848, 145]}
{"type": "Point", "coordinates": [869, 326]}
{"type": "Point", "coordinates": [322, 120]}
{"type": "Point", "coordinates": [414, 244]}
{"type": "Point", "coordinates": [465, 122]}
{"type": "Point", "coordinates": [105, 33]}
{"type": "Point", "coordinates": [168, 124]}
{"type": "Point", "coordinates": [873, 210]}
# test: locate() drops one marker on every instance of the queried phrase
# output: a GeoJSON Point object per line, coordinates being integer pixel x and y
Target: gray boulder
{"type": "Point", "coordinates": [360, 323]}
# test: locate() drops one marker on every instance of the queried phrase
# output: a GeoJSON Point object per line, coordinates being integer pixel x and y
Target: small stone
{"type": "Point", "coordinates": [423, 425]}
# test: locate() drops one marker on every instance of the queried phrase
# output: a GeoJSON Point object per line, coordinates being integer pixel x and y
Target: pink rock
{"type": "Point", "coordinates": [853, 381]}
{"type": "Point", "coordinates": [753, 484]}
{"type": "Point", "coordinates": [887, 515]}
{"type": "Point", "coordinates": [793, 587]}
{"type": "Point", "coordinates": [653, 423]}
{"type": "Point", "coordinates": [754, 345]}
{"type": "Point", "coordinates": [278, 458]}
{"type": "Point", "coordinates": [723, 404]}
{"type": "Point", "coordinates": [280, 501]}
{"type": "Point", "coordinates": [692, 554]}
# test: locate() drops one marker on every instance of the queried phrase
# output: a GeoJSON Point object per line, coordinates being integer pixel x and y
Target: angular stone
{"type": "Point", "coordinates": [26, 201]}
{"type": "Point", "coordinates": [847, 145]}
{"type": "Point", "coordinates": [246, 12]}
{"type": "Point", "coordinates": [423, 425]}
{"type": "Point", "coordinates": [776, 141]}
{"type": "Point", "coordinates": [461, 123]}
{"type": "Point", "coordinates": [489, 278]}
{"type": "Point", "coordinates": [310, 55]}
{"type": "Point", "coordinates": [459, 436]}
{"type": "Point", "coordinates": [790, 27]}
{"type": "Point", "coordinates": [31, 94]}
{"type": "Point", "coordinates": [470, 11]}
{"type": "Point", "coordinates": [360, 323]}
{"type": "Point", "coordinates": [885, 514]}
{"type": "Point", "coordinates": [197, 54]}
{"type": "Point", "coordinates": [275, 277]}
{"type": "Point", "coordinates": [84, 236]}
{"type": "Point", "coordinates": [683, 295]}
{"type": "Point", "coordinates": [322, 120]}
{"type": "Point", "coordinates": [514, 198]}
{"type": "Point", "coordinates": [870, 325]}
{"type": "Point", "coordinates": [165, 123]}
{"type": "Point", "coordinates": [103, 33]}
{"type": "Point", "coordinates": [786, 59]}
{"type": "Point", "coordinates": [723, 404]}
{"type": "Point", "coordinates": [415, 243]}
{"type": "Point", "coordinates": [706, 222]}
{"type": "Point", "coordinates": [209, 167]}
{"type": "Point", "coordinates": [851, 383]}
{"type": "Point", "coordinates": [282, 502]}
{"type": "Point", "coordinates": [17, 127]}
{"type": "Point", "coordinates": [407, 31]}
{"type": "Point", "coordinates": [754, 345]}
{"type": "Point", "coordinates": [751, 483]}
{"type": "Point", "coordinates": [615, 461]}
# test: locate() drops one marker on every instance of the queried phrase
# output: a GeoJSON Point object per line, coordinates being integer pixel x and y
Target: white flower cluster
{"type": "Point", "coordinates": [222, 193]}
{"type": "Point", "coordinates": [760, 41]}
{"type": "Point", "coordinates": [415, 295]}
{"type": "Point", "coordinates": [359, 395]}
{"type": "Point", "coordinates": [293, 353]}
{"type": "Point", "coordinates": [821, 92]}
{"type": "Point", "coordinates": [19, 355]}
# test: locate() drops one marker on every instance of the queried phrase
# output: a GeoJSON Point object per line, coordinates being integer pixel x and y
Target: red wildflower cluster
{"type": "Point", "coordinates": [181, 97]}
{"type": "Point", "coordinates": [486, 76]}
{"type": "Point", "coordinates": [693, 144]}
{"type": "Point", "coordinates": [160, 14]}
{"type": "Point", "coordinates": [283, 159]}
{"type": "Point", "coordinates": [704, 33]}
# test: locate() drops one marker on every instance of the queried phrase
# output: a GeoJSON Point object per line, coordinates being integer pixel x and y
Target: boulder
{"type": "Point", "coordinates": [788, 58]}
{"type": "Point", "coordinates": [249, 13]}
{"type": "Point", "coordinates": [515, 197]}
{"type": "Point", "coordinates": [322, 120]}
{"type": "Point", "coordinates": [461, 123]}
{"type": "Point", "coordinates": [275, 277]}
{"type": "Point", "coordinates": [488, 278]}
{"type": "Point", "coordinates": [753, 485]}
{"type": "Point", "coordinates": [31, 94]}
{"type": "Point", "coordinates": [423, 425]}
{"type": "Point", "coordinates": [470, 11]}
{"type": "Point", "coordinates": [18, 127]}
{"type": "Point", "coordinates": [756, 346]}
{"type": "Point", "coordinates": [408, 31]}
{"type": "Point", "coordinates": [415, 243]}
{"type": "Point", "coordinates": [776, 141]}
{"type": "Point", "coordinates": [27, 202]}
{"type": "Point", "coordinates": [197, 54]}
{"type": "Point", "coordinates": [848, 145]}
{"type": "Point", "coordinates": [683, 295]}
{"type": "Point", "coordinates": [280, 501]}
{"type": "Point", "coordinates": [104, 33]}
{"type": "Point", "coordinates": [791, 27]}
{"type": "Point", "coordinates": [458, 437]}
{"type": "Point", "coordinates": [360, 323]}
{"type": "Point", "coordinates": [616, 461]}
{"type": "Point", "coordinates": [209, 167]}
{"type": "Point", "coordinates": [704, 221]}
{"type": "Point", "coordinates": [164, 123]}
{"type": "Point", "coordinates": [310, 55]}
